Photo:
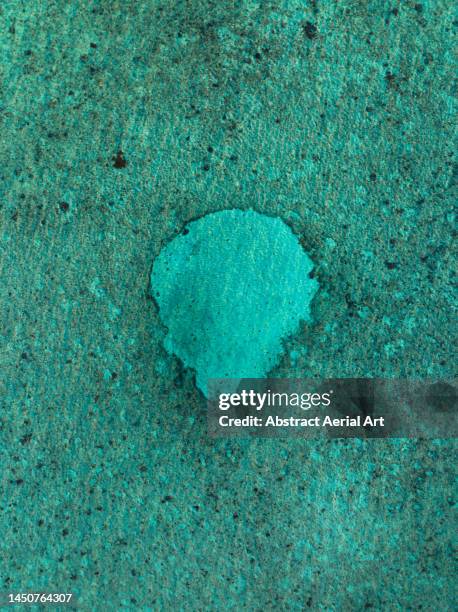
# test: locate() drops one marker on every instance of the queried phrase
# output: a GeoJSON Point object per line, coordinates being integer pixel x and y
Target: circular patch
{"type": "Point", "coordinates": [229, 289]}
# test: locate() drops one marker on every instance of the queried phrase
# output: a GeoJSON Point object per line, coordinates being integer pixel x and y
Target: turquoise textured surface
{"type": "Point", "coordinates": [121, 122]}
{"type": "Point", "coordinates": [229, 290]}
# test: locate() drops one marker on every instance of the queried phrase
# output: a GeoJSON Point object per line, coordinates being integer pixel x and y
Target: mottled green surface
{"type": "Point", "coordinates": [230, 291]}
{"type": "Point", "coordinates": [122, 121]}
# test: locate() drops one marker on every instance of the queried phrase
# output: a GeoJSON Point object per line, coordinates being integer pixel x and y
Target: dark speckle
{"type": "Point", "coordinates": [418, 8]}
{"type": "Point", "coordinates": [65, 532]}
{"type": "Point", "coordinates": [167, 498]}
{"type": "Point", "coordinates": [64, 206]}
{"type": "Point", "coordinates": [93, 45]}
{"type": "Point", "coordinates": [391, 265]}
{"type": "Point", "coordinates": [310, 30]}
{"type": "Point", "coordinates": [389, 76]}
{"type": "Point", "coordinates": [24, 356]}
{"type": "Point", "coordinates": [26, 438]}
{"type": "Point", "coordinates": [373, 177]}
{"type": "Point", "coordinates": [119, 161]}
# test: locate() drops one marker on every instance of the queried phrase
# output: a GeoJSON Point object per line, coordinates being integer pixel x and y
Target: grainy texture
{"type": "Point", "coordinates": [120, 122]}
{"type": "Point", "coordinates": [230, 290]}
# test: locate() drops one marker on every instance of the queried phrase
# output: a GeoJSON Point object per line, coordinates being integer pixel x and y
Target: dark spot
{"type": "Point", "coordinates": [26, 439]}
{"type": "Point", "coordinates": [24, 356]}
{"type": "Point", "coordinates": [373, 177]}
{"type": "Point", "coordinates": [121, 542]}
{"type": "Point", "coordinates": [418, 8]}
{"type": "Point", "coordinates": [19, 481]}
{"type": "Point", "coordinates": [391, 265]}
{"type": "Point", "coordinates": [185, 231]}
{"type": "Point", "coordinates": [65, 532]}
{"type": "Point", "coordinates": [206, 167]}
{"type": "Point", "coordinates": [84, 58]}
{"type": "Point", "coordinates": [389, 76]}
{"type": "Point", "coordinates": [41, 523]}
{"type": "Point", "coordinates": [142, 468]}
{"type": "Point", "coordinates": [119, 161]}
{"type": "Point", "coordinates": [395, 12]}
{"type": "Point", "coordinates": [312, 274]}
{"type": "Point", "coordinates": [235, 516]}
{"type": "Point", "coordinates": [93, 46]}
{"type": "Point", "coordinates": [310, 30]}
{"type": "Point", "coordinates": [28, 52]}
{"type": "Point", "coordinates": [64, 206]}
{"type": "Point", "coordinates": [167, 498]}
{"type": "Point", "coordinates": [257, 56]}
{"type": "Point", "coordinates": [114, 375]}
{"type": "Point", "coordinates": [210, 149]}
{"type": "Point", "coordinates": [14, 216]}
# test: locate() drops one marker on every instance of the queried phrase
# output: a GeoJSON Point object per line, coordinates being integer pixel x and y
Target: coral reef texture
{"type": "Point", "coordinates": [121, 123]}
